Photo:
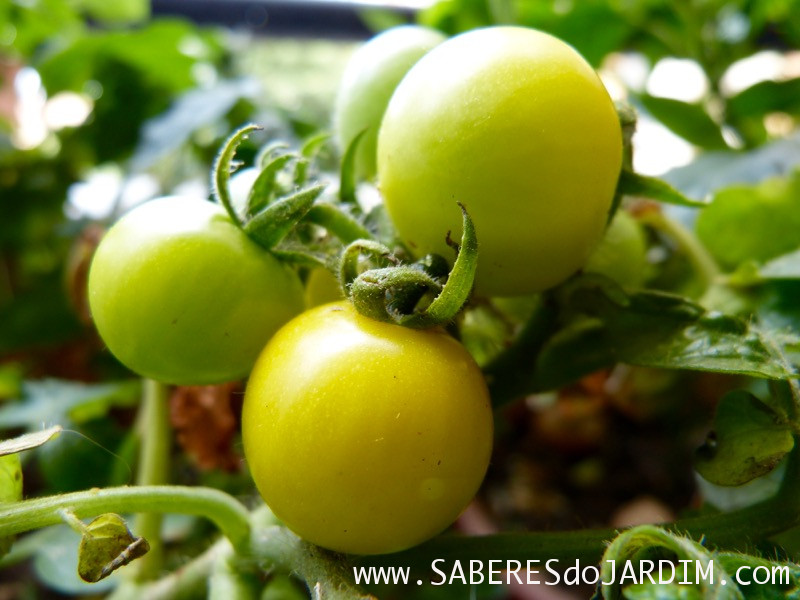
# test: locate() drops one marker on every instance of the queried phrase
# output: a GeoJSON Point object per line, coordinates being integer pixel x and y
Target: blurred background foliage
{"type": "Point", "coordinates": [103, 105]}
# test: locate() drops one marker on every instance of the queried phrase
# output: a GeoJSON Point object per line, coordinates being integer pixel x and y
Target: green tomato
{"type": "Point", "coordinates": [322, 287]}
{"type": "Point", "coordinates": [621, 254]}
{"type": "Point", "coordinates": [181, 295]}
{"type": "Point", "coordinates": [365, 437]}
{"type": "Point", "coordinates": [368, 81]}
{"type": "Point", "coordinates": [515, 125]}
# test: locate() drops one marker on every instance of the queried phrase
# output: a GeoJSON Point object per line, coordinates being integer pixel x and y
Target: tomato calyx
{"type": "Point", "coordinates": [268, 215]}
{"type": "Point", "coordinates": [418, 295]}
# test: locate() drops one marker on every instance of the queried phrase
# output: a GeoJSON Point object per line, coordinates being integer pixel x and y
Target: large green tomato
{"type": "Point", "coordinates": [369, 79]}
{"type": "Point", "coordinates": [622, 253]}
{"type": "Point", "coordinates": [365, 437]}
{"type": "Point", "coordinates": [181, 295]}
{"type": "Point", "coordinates": [514, 124]}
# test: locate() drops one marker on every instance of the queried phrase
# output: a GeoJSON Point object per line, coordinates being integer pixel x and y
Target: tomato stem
{"type": "Point", "coordinates": [223, 510]}
{"type": "Point", "coordinates": [154, 457]}
{"type": "Point", "coordinates": [704, 264]}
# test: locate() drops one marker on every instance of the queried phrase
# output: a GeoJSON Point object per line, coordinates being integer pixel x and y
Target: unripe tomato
{"type": "Point", "coordinates": [322, 287]}
{"type": "Point", "coordinates": [621, 254]}
{"type": "Point", "coordinates": [181, 295]}
{"type": "Point", "coordinates": [369, 79]}
{"type": "Point", "coordinates": [516, 125]}
{"type": "Point", "coordinates": [365, 437]}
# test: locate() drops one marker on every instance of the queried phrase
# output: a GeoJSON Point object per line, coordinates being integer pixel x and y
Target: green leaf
{"type": "Point", "coordinates": [633, 184]}
{"type": "Point", "coordinates": [601, 326]}
{"type": "Point", "coordinates": [690, 121]}
{"type": "Point", "coordinates": [712, 171]}
{"type": "Point", "coordinates": [757, 222]}
{"type": "Point", "coordinates": [117, 12]}
{"type": "Point", "coordinates": [54, 400]}
{"type": "Point", "coordinates": [151, 50]}
{"type": "Point", "coordinates": [766, 97]}
{"type": "Point", "coordinates": [786, 266]}
{"type": "Point", "coordinates": [106, 545]}
{"type": "Point", "coordinates": [197, 108]}
{"type": "Point", "coordinates": [274, 222]}
{"type": "Point", "coordinates": [28, 441]}
{"type": "Point", "coordinates": [749, 439]}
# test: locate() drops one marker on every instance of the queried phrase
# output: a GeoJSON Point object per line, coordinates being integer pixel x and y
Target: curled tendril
{"type": "Point", "coordinates": [394, 293]}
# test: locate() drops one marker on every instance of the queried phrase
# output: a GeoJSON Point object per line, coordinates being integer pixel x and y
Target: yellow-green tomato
{"type": "Point", "coordinates": [369, 79]}
{"type": "Point", "coordinates": [365, 437]}
{"type": "Point", "coordinates": [514, 124]}
{"type": "Point", "coordinates": [181, 295]}
{"type": "Point", "coordinates": [621, 254]}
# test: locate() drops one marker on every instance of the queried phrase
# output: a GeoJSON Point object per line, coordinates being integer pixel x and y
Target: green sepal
{"type": "Point", "coordinates": [308, 151]}
{"type": "Point", "coordinates": [264, 186]}
{"type": "Point", "coordinates": [392, 294]}
{"type": "Point", "coordinates": [265, 154]}
{"type": "Point", "coordinates": [275, 221]}
{"type": "Point", "coordinates": [338, 222]}
{"type": "Point", "coordinates": [458, 287]}
{"type": "Point", "coordinates": [222, 169]}
{"type": "Point", "coordinates": [351, 258]}
{"type": "Point", "coordinates": [300, 258]}
{"type": "Point", "coordinates": [388, 294]}
{"type": "Point", "coordinates": [347, 173]}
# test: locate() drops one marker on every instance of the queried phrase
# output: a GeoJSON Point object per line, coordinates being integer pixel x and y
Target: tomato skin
{"type": "Point", "coordinates": [322, 287]}
{"type": "Point", "coordinates": [365, 437]}
{"type": "Point", "coordinates": [181, 295]}
{"type": "Point", "coordinates": [370, 77]}
{"type": "Point", "coordinates": [622, 253]}
{"type": "Point", "coordinates": [516, 125]}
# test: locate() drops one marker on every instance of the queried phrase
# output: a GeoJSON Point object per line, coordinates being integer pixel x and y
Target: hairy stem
{"type": "Point", "coordinates": [222, 509]}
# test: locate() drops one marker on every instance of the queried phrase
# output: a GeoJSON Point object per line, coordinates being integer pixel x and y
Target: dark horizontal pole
{"type": "Point", "coordinates": [305, 18]}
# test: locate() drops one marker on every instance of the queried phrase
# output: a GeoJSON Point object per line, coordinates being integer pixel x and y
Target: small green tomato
{"type": "Point", "coordinates": [181, 295]}
{"type": "Point", "coordinates": [516, 125]}
{"type": "Point", "coordinates": [368, 82]}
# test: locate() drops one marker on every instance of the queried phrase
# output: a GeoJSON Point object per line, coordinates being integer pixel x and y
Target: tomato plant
{"type": "Point", "coordinates": [181, 295]}
{"type": "Point", "coordinates": [514, 124]}
{"type": "Point", "coordinates": [329, 405]}
{"type": "Point", "coordinates": [367, 425]}
{"type": "Point", "coordinates": [368, 82]}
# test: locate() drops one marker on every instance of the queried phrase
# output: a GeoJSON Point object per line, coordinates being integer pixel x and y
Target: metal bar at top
{"type": "Point", "coordinates": [306, 18]}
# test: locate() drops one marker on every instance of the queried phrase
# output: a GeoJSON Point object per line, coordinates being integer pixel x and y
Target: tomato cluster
{"type": "Point", "coordinates": [365, 436]}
